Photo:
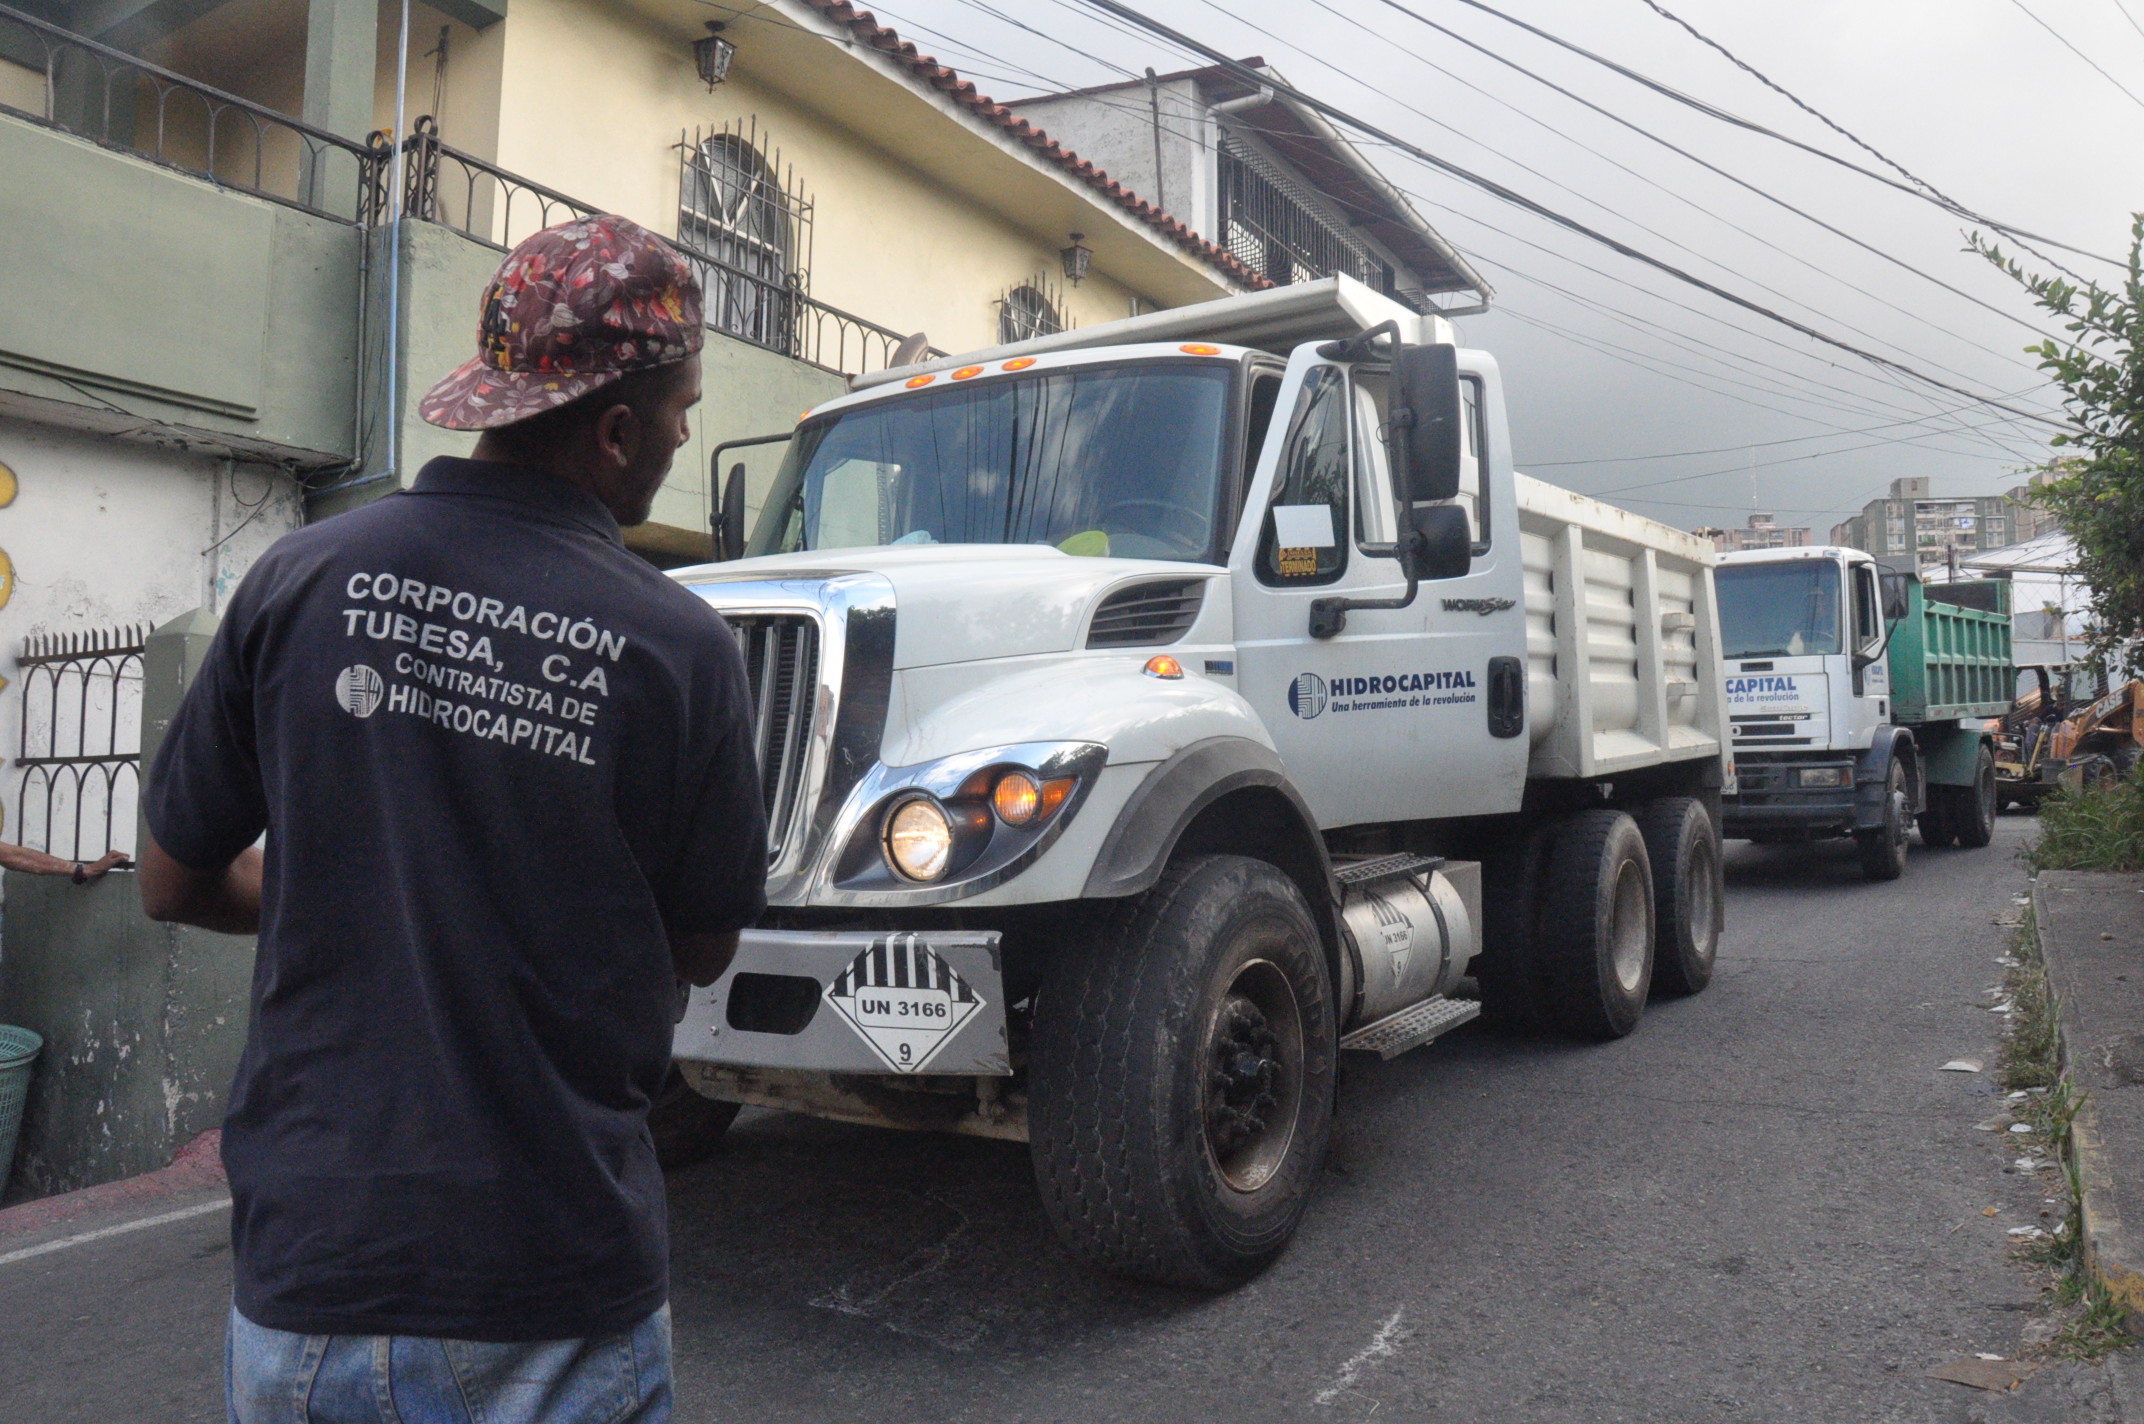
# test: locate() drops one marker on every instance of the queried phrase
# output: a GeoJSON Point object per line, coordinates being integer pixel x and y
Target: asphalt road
{"type": "Point", "coordinates": [1764, 1205]}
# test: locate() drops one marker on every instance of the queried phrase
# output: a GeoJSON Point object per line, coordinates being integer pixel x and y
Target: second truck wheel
{"type": "Point", "coordinates": [1183, 1077]}
{"type": "Point", "coordinates": [1596, 925]}
{"type": "Point", "coordinates": [1685, 854]}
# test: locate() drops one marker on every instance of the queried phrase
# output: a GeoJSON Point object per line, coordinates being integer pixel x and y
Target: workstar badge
{"type": "Point", "coordinates": [903, 1000]}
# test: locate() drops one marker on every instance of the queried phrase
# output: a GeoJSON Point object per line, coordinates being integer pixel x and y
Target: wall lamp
{"type": "Point", "coordinates": [712, 56]}
{"type": "Point", "coordinates": [1076, 259]}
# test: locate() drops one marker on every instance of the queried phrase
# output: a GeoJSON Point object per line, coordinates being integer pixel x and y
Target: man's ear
{"type": "Point", "coordinates": [618, 436]}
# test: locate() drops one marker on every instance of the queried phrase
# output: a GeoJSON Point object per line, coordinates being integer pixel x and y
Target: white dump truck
{"type": "Point", "coordinates": [1150, 714]}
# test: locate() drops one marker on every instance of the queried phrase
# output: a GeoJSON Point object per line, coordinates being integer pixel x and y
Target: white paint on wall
{"type": "Point", "coordinates": [104, 533]}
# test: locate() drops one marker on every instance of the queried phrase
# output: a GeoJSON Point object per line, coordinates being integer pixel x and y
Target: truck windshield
{"type": "Point", "coordinates": [1123, 460]}
{"type": "Point", "coordinates": [1778, 610]}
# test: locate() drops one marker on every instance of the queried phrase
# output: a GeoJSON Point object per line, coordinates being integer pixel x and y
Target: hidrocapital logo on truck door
{"type": "Point", "coordinates": [1311, 694]}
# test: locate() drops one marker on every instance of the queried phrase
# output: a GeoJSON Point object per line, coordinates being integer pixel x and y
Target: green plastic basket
{"type": "Point", "coordinates": [18, 1052]}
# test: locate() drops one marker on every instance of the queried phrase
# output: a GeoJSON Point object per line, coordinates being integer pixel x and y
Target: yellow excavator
{"type": "Point", "coordinates": [2057, 734]}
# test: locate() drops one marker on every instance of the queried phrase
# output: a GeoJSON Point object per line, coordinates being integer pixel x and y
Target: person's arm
{"type": "Point", "coordinates": [36, 862]}
{"type": "Point", "coordinates": [227, 899]}
{"type": "Point", "coordinates": [701, 958]}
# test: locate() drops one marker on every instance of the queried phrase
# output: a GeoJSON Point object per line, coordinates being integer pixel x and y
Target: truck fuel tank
{"type": "Point", "coordinates": [1409, 927]}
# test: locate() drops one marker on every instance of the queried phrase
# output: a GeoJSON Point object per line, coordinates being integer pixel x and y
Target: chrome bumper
{"type": "Point", "coordinates": [928, 1001]}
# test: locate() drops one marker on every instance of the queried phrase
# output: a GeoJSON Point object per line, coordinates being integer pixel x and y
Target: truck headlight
{"type": "Point", "coordinates": [1824, 776]}
{"type": "Point", "coordinates": [919, 839]}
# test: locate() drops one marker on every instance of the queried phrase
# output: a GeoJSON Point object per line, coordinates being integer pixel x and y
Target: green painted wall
{"type": "Point", "coordinates": [142, 1023]}
{"type": "Point", "coordinates": [229, 317]}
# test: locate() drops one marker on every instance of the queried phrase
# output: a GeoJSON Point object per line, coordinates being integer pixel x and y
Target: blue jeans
{"type": "Point", "coordinates": [275, 1377]}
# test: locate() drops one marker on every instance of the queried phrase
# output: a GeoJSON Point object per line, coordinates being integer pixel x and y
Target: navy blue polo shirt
{"type": "Point", "coordinates": [495, 756]}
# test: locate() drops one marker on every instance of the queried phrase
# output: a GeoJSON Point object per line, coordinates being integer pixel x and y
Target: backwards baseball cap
{"type": "Point", "coordinates": [572, 309]}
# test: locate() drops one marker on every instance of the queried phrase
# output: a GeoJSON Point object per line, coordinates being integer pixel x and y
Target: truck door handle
{"type": "Point", "coordinates": [1507, 697]}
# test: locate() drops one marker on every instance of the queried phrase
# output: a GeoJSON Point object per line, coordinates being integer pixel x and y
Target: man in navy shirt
{"type": "Point", "coordinates": [484, 783]}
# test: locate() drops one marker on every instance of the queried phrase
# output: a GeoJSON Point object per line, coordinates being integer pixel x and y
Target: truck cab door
{"type": "Point", "coordinates": [1391, 718]}
{"type": "Point", "coordinates": [1870, 640]}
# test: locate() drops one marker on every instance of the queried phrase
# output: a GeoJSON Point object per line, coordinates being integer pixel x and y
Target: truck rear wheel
{"type": "Point", "coordinates": [1685, 857]}
{"type": "Point", "coordinates": [1182, 1077]}
{"type": "Point", "coordinates": [1883, 849]}
{"type": "Point", "coordinates": [1597, 925]}
{"type": "Point", "coordinates": [1937, 823]}
{"type": "Point", "coordinates": [1972, 808]}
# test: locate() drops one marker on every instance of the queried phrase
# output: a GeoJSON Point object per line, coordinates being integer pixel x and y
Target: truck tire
{"type": "Point", "coordinates": [1687, 893]}
{"type": "Point", "coordinates": [1509, 967]}
{"type": "Point", "coordinates": [1182, 1072]}
{"type": "Point", "coordinates": [1597, 925]}
{"type": "Point", "coordinates": [1883, 849]}
{"type": "Point", "coordinates": [1972, 808]}
{"type": "Point", "coordinates": [687, 1127]}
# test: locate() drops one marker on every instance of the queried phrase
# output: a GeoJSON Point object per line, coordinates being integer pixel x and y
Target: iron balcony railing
{"type": "Point", "coordinates": [113, 99]}
{"type": "Point", "coordinates": [80, 752]}
{"type": "Point", "coordinates": [488, 204]}
{"type": "Point", "coordinates": [1271, 225]}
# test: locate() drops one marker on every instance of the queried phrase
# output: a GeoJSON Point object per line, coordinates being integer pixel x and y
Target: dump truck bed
{"type": "Point", "coordinates": [1949, 660]}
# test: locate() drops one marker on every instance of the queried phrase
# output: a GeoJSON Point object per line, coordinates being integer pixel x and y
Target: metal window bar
{"type": "Point", "coordinates": [117, 101]}
{"type": "Point", "coordinates": [1033, 308]}
{"type": "Point", "coordinates": [1274, 227]}
{"type": "Point", "coordinates": [80, 750]}
{"type": "Point", "coordinates": [488, 204]}
{"type": "Point", "coordinates": [740, 204]}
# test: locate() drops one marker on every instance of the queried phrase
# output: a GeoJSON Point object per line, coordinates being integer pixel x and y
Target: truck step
{"type": "Point", "coordinates": [1412, 1026]}
{"type": "Point", "coordinates": [1385, 867]}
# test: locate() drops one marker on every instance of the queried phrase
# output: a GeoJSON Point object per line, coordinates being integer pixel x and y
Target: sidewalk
{"type": "Point", "coordinates": [2091, 927]}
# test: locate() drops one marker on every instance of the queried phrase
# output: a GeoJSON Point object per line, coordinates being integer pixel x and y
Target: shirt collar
{"type": "Point", "coordinates": [543, 493]}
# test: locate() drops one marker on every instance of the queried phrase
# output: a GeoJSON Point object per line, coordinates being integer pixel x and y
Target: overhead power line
{"type": "Point", "coordinates": [2065, 43]}
{"type": "Point", "coordinates": [1929, 189]}
{"type": "Point", "coordinates": [1521, 201]}
{"type": "Point", "coordinates": [1915, 187]}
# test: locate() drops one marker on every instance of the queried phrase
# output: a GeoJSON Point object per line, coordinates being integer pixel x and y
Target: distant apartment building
{"type": "Point", "coordinates": [1762, 532]}
{"type": "Point", "coordinates": [1912, 522]}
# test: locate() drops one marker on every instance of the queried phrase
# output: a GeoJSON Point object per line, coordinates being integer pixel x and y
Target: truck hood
{"type": "Point", "coordinates": [966, 602]}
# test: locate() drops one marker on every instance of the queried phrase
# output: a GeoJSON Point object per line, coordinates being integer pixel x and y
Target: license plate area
{"type": "Point", "coordinates": [854, 1001]}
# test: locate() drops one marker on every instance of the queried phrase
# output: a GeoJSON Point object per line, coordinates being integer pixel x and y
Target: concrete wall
{"type": "Point", "coordinates": [101, 532]}
{"type": "Point", "coordinates": [179, 306]}
{"type": "Point", "coordinates": [1115, 129]}
{"type": "Point", "coordinates": [142, 1023]}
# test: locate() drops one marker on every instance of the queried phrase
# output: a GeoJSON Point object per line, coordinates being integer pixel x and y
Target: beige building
{"type": "Point", "coordinates": [1913, 522]}
{"type": "Point", "coordinates": [1761, 532]}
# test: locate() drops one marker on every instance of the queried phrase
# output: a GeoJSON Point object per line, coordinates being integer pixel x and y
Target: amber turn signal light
{"type": "Point", "coordinates": [1164, 666]}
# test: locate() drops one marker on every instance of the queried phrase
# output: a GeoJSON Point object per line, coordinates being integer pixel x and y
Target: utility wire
{"type": "Point", "coordinates": [2080, 53]}
{"type": "Point", "coordinates": [1731, 449]}
{"type": "Point", "coordinates": [1942, 199]}
{"type": "Point", "coordinates": [2129, 17]}
{"type": "Point", "coordinates": [1603, 207]}
{"type": "Point", "coordinates": [1915, 187]}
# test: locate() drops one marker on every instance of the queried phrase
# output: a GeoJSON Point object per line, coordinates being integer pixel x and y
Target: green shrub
{"type": "Point", "coordinates": [2092, 829]}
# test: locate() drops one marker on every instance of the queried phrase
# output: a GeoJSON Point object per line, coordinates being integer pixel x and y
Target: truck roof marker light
{"type": "Point", "coordinates": [1161, 665]}
{"type": "Point", "coordinates": [1199, 348]}
{"type": "Point", "coordinates": [1018, 363]}
{"type": "Point", "coordinates": [966, 372]}
{"type": "Point", "coordinates": [916, 383]}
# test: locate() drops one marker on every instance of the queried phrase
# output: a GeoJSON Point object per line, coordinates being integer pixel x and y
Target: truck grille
{"type": "Point", "coordinates": [1147, 614]}
{"type": "Point", "coordinates": [781, 659]}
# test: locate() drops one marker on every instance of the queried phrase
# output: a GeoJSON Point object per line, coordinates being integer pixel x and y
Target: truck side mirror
{"type": "Point", "coordinates": [1427, 440]}
{"type": "Point", "coordinates": [1442, 543]}
{"type": "Point", "coordinates": [729, 522]}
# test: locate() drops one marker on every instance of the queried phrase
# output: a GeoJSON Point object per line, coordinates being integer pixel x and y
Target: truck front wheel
{"type": "Point", "coordinates": [1182, 1077]}
{"type": "Point", "coordinates": [1883, 849]}
{"type": "Point", "coordinates": [1685, 856]}
{"type": "Point", "coordinates": [1597, 925]}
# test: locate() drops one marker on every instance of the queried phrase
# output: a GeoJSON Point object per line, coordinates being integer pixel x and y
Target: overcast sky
{"type": "Point", "coordinates": [1614, 375]}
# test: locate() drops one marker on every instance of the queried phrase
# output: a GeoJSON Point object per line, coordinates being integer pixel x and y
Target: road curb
{"type": "Point", "coordinates": [2111, 1254]}
{"type": "Point", "coordinates": [197, 1166]}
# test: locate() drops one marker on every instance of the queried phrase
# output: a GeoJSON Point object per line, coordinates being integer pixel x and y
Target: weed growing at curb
{"type": "Point", "coordinates": [2032, 1060]}
{"type": "Point", "coordinates": [2100, 828]}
